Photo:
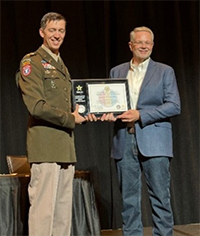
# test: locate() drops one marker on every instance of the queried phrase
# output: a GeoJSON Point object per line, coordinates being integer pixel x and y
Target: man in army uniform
{"type": "Point", "coordinates": [45, 85]}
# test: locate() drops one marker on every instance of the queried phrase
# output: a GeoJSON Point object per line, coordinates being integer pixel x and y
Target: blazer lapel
{"type": "Point", "coordinates": [149, 73]}
{"type": "Point", "coordinates": [125, 70]}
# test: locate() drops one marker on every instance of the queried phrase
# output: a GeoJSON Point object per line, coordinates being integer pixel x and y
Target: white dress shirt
{"type": "Point", "coordinates": [135, 78]}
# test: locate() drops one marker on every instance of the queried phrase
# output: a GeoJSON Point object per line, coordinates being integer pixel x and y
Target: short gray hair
{"type": "Point", "coordinates": [51, 16]}
{"type": "Point", "coordinates": [139, 29]}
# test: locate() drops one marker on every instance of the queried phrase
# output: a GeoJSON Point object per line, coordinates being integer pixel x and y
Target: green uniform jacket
{"type": "Point", "coordinates": [46, 90]}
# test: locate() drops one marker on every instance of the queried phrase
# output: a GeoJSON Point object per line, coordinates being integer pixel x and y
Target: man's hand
{"type": "Point", "coordinates": [129, 116]}
{"type": "Point", "coordinates": [91, 117]}
{"type": "Point", "coordinates": [108, 117]}
{"type": "Point", "coordinates": [78, 118]}
{"type": "Point", "coordinates": [105, 117]}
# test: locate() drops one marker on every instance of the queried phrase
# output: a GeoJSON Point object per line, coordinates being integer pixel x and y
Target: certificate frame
{"type": "Point", "coordinates": [99, 96]}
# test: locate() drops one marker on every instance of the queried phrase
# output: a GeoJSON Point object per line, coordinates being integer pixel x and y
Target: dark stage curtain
{"type": "Point", "coordinates": [96, 40]}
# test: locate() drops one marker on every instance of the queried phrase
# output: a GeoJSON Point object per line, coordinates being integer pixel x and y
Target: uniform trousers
{"type": "Point", "coordinates": [50, 195]}
{"type": "Point", "coordinates": [157, 177]}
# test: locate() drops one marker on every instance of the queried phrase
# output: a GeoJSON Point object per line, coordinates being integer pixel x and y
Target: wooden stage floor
{"type": "Point", "coordinates": [179, 230]}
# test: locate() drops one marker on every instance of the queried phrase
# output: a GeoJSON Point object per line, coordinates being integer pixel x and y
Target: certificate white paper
{"type": "Point", "coordinates": [106, 98]}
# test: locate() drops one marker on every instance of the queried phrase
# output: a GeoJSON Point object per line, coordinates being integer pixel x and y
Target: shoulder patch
{"type": "Point", "coordinates": [26, 63]}
{"type": "Point", "coordinates": [26, 69]}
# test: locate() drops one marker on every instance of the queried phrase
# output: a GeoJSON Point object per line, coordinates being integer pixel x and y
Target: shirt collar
{"type": "Point", "coordinates": [55, 57]}
{"type": "Point", "coordinates": [141, 66]}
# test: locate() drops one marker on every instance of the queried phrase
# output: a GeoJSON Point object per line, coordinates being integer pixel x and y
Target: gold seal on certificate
{"type": "Point", "coordinates": [100, 96]}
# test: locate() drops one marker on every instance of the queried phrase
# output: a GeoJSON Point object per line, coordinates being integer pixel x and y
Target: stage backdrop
{"type": "Point", "coordinates": [97, 40]}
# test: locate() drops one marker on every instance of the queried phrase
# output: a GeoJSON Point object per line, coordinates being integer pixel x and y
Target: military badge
{"type": "Point", "coordinates": [26, 61]}
{"type": "Point", "coordinates": [26, 69]}
{"type": "Point", "coordinates": [47, 72]}
{"type": "Point", "coordinates": [47, 66]}
{"type": "Point", "coordinates": [53, 84]}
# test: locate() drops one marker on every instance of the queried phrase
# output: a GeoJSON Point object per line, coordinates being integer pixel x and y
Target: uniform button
{"type": "Point", "coordinates": [65, 89]}
{"type": "Point", "coordinates": [66, 100]}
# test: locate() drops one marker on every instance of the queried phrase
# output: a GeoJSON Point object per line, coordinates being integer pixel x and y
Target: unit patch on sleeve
{"type": "Point", "coordinates": [26, 67]}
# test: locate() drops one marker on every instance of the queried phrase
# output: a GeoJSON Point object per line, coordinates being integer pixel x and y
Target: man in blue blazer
{"type": "Point", "coordinates": [143, 135]}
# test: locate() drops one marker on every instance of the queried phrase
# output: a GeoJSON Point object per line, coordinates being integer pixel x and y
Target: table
{"type": "Point", "coordinates": [14, 206]}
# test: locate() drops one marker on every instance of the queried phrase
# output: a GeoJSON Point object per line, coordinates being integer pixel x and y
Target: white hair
{"type": "Point", "coordinates": [140, 29]}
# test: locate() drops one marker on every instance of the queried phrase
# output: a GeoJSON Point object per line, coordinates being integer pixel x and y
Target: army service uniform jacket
{"type": "Point", "coordinates": [46, 90]}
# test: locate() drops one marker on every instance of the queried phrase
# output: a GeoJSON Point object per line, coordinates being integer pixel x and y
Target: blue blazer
{"type": "Point", "coordinates": [158, 101]}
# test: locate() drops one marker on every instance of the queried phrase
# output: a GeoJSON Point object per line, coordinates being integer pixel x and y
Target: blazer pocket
{"type": "Point", "coordinates": [163, 125]}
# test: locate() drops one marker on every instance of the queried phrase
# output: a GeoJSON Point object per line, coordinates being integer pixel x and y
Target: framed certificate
{"type": "Point", "coordinates": [99, 96]}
